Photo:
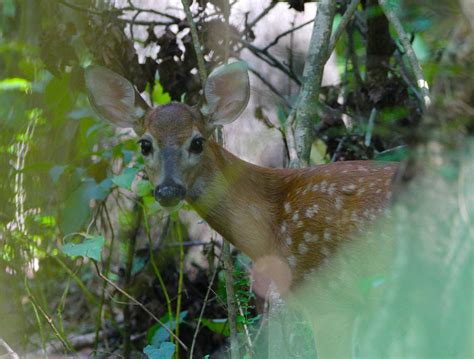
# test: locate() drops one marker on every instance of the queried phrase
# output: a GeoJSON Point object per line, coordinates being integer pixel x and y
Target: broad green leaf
{"type": "Point", "coordinates": [165, 351]}
{"type": "Point", "coordinates": [75, 210]}
{"type": "Point", "coordinates": [90, 248]}
{"type": "Point", "coordinates": [157, 334]}
{"type": "Point", "coordinates": [144, 188]}
{"type": "Point", "coordinates": [220, 326]}
{"type": "Point", "coordinates": [125, 179]}
{"type": "Point", "coordinates": [158, 96]}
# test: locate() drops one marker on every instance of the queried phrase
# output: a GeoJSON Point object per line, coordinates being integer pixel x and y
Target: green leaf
{"type": "Point", "coordinates": [15, 83]}
{"type": "Point", "coordinates": [144, 188]}
{"type": "Point", "coordinates": [220, 326]}
{"type": "Point", "coordinates": [75, 209]}
{"type": "Point", "coordinates": [158, 95]}
{"type": "Point", "coordinates": [90, 248]}
{"type": "Point", "coordinates": [165, 351]}
{"type": "Point", "coordinates": [125, 179]}
{"type": "Point", "coordinates": [157, 334]}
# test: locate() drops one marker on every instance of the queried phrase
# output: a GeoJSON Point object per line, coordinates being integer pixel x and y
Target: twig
{"type": "Point", "coordinates": [180, 279]}
{"type": "Point", "coordinates": [283, 34]}
{"type": "Point", "coordinates": [338, 149]}
{"type": "Point", "coordinates": [370, 127]}
{"type": "Point", "coordinates": [9, 350]}
{"type": "Point", "coordinates": [107, 269]}
{"type": "Point", "coordinates": [290, 137]}
{"type": "Point", "coordinates": [351, 9]}
{"type": "Point", "coordinates": [405, 40]}
{"type": "Point", "coordinates": [48, 319]}
{"type": "Point", "coordinates": [269, 59]}
{"type": "Point", "coordinates": [262, 14]}
{"type": "Point", "coordinates": [201, 314]}
{"type": "Point", "coordinates": [229, 286]}
{"type": "Point", "coordinates": [127, 284]}
{"type": "Point", "coordinates": [196, 43]}
{"type": "Point", "coordinates": [145, 309]}
{"type": "Point", "coordinates": [308, 99]}
{"type": "Point", "coordinates": [270, 86]}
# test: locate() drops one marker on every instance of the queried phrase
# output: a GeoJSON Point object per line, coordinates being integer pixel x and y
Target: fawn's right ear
{"type": "Point", "coordinates": [115, 99]}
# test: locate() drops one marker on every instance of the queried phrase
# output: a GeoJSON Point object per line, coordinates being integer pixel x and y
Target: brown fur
{"type": "Point", "coordinates": [271, 212]}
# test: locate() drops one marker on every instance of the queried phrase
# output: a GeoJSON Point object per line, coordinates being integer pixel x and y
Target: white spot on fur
{"type": "Point", "coordinates": [292, 261]}
{"type": "Point", "coordinates": [289, 241]}
{"type": "Point", "coordinates": [310, 238]}
{"type": "Point", "coordinates": [302, 248]}
{"type": "Point", "coordinates": [327, 235]}
{"type": "Point", "coordinates": [378, 191]}
{"type": "Point", "coordinates": [315, 187]}
{"type": "Point", "coordinates": [349, 188]}
{"type": "Point", "coordinates": [300, 224]}
{"type": "Point", "coordinates": [287, 207]}
{"type": "Point", "coordinates": [329, 219]}
{"type": "Point", "coordinates": [284, 227]}
{"type": "Point", "coordinates": [311, 211]}
{"type": "Point", "coordinates": [332, 189]}
{"type": "Point", "coordinates": [325, 251]}
{"type": "Point", "coordinates": [296, 216]}
{"type": "Point", "coordinates": [338, 203]}
{"type": "Point", "coordinates": [323, 186]}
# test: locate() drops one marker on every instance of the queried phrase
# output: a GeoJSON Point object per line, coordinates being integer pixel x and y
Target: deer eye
{"type": "Point", "coordinates": [146, 147]}
{"type": "Point", "coordinates": [196, 145]}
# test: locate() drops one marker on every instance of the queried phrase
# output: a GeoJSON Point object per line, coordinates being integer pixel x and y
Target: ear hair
{"type": "Point", "coordinates": [115, 99]}
{"type": "Point", "coordinates": [227, 92]}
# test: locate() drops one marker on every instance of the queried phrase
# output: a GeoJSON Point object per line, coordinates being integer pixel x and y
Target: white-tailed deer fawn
{"type": "Point", "coordinates": [289, 221]}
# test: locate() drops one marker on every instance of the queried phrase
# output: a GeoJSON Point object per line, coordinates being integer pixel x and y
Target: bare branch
{"type": "Point", "coordinates": [196, 43]}
{"type": "Point", "coordinates": [405, 40]}
{"type": "Point", "coordinates": [351, 9]}
{"type": "Point", "coordinates": [283, 34]}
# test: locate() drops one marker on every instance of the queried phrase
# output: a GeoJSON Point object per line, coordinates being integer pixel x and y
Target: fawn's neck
{"type": "Point", "coordinates": [239, 201]}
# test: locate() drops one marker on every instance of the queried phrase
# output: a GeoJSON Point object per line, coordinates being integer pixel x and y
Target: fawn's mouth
{"type": "Point", "coordinates": [169, 195]}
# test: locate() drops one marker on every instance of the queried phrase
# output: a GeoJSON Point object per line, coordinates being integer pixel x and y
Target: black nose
{"type": "Point", "coordinates": [169, 194]}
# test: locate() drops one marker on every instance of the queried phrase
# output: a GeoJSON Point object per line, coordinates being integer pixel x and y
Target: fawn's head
{"type": "Point", "coordinates": [173, 137]}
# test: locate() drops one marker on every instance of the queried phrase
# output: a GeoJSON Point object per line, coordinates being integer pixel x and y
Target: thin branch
{"type": "Point", "coordinates": [346, 18]}
{"type": "Point", "coordinates": [201, 314]}
{"type": "Point", "coordinates": [370, 127]}
{"type": "Point", "coordinates": [269, 59]}
{"type": "Point", "coordinates": [11, 354]}
{"type": "Point", "coordinates": [145, 309]}
{"type": "Point", "coordinates": [132, 7]}
{"type": "Point", "coordinates": [405, 40]}
{"type": "Point", "coordinates": [283, 34]}
{"type": "Point", "coordinates": [270, 86]}
{"type": "Point", "coordinates": [229, 286]}
{"type": "Point", "coordinates": [262, 14]}
{"type": "Point", "coordinates": [196, 43]}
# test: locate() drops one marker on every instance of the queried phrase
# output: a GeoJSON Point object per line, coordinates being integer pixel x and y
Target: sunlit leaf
{"type": "Point", "coordinates": [15, 83]}
{"type": "Point", "coordinates": [90, 248]}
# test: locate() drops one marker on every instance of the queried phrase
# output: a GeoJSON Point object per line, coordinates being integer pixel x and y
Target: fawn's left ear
{"type": "Point", "coordinates": [115, 99]}
{"type": "Point", "coordinates": [227, 93]}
